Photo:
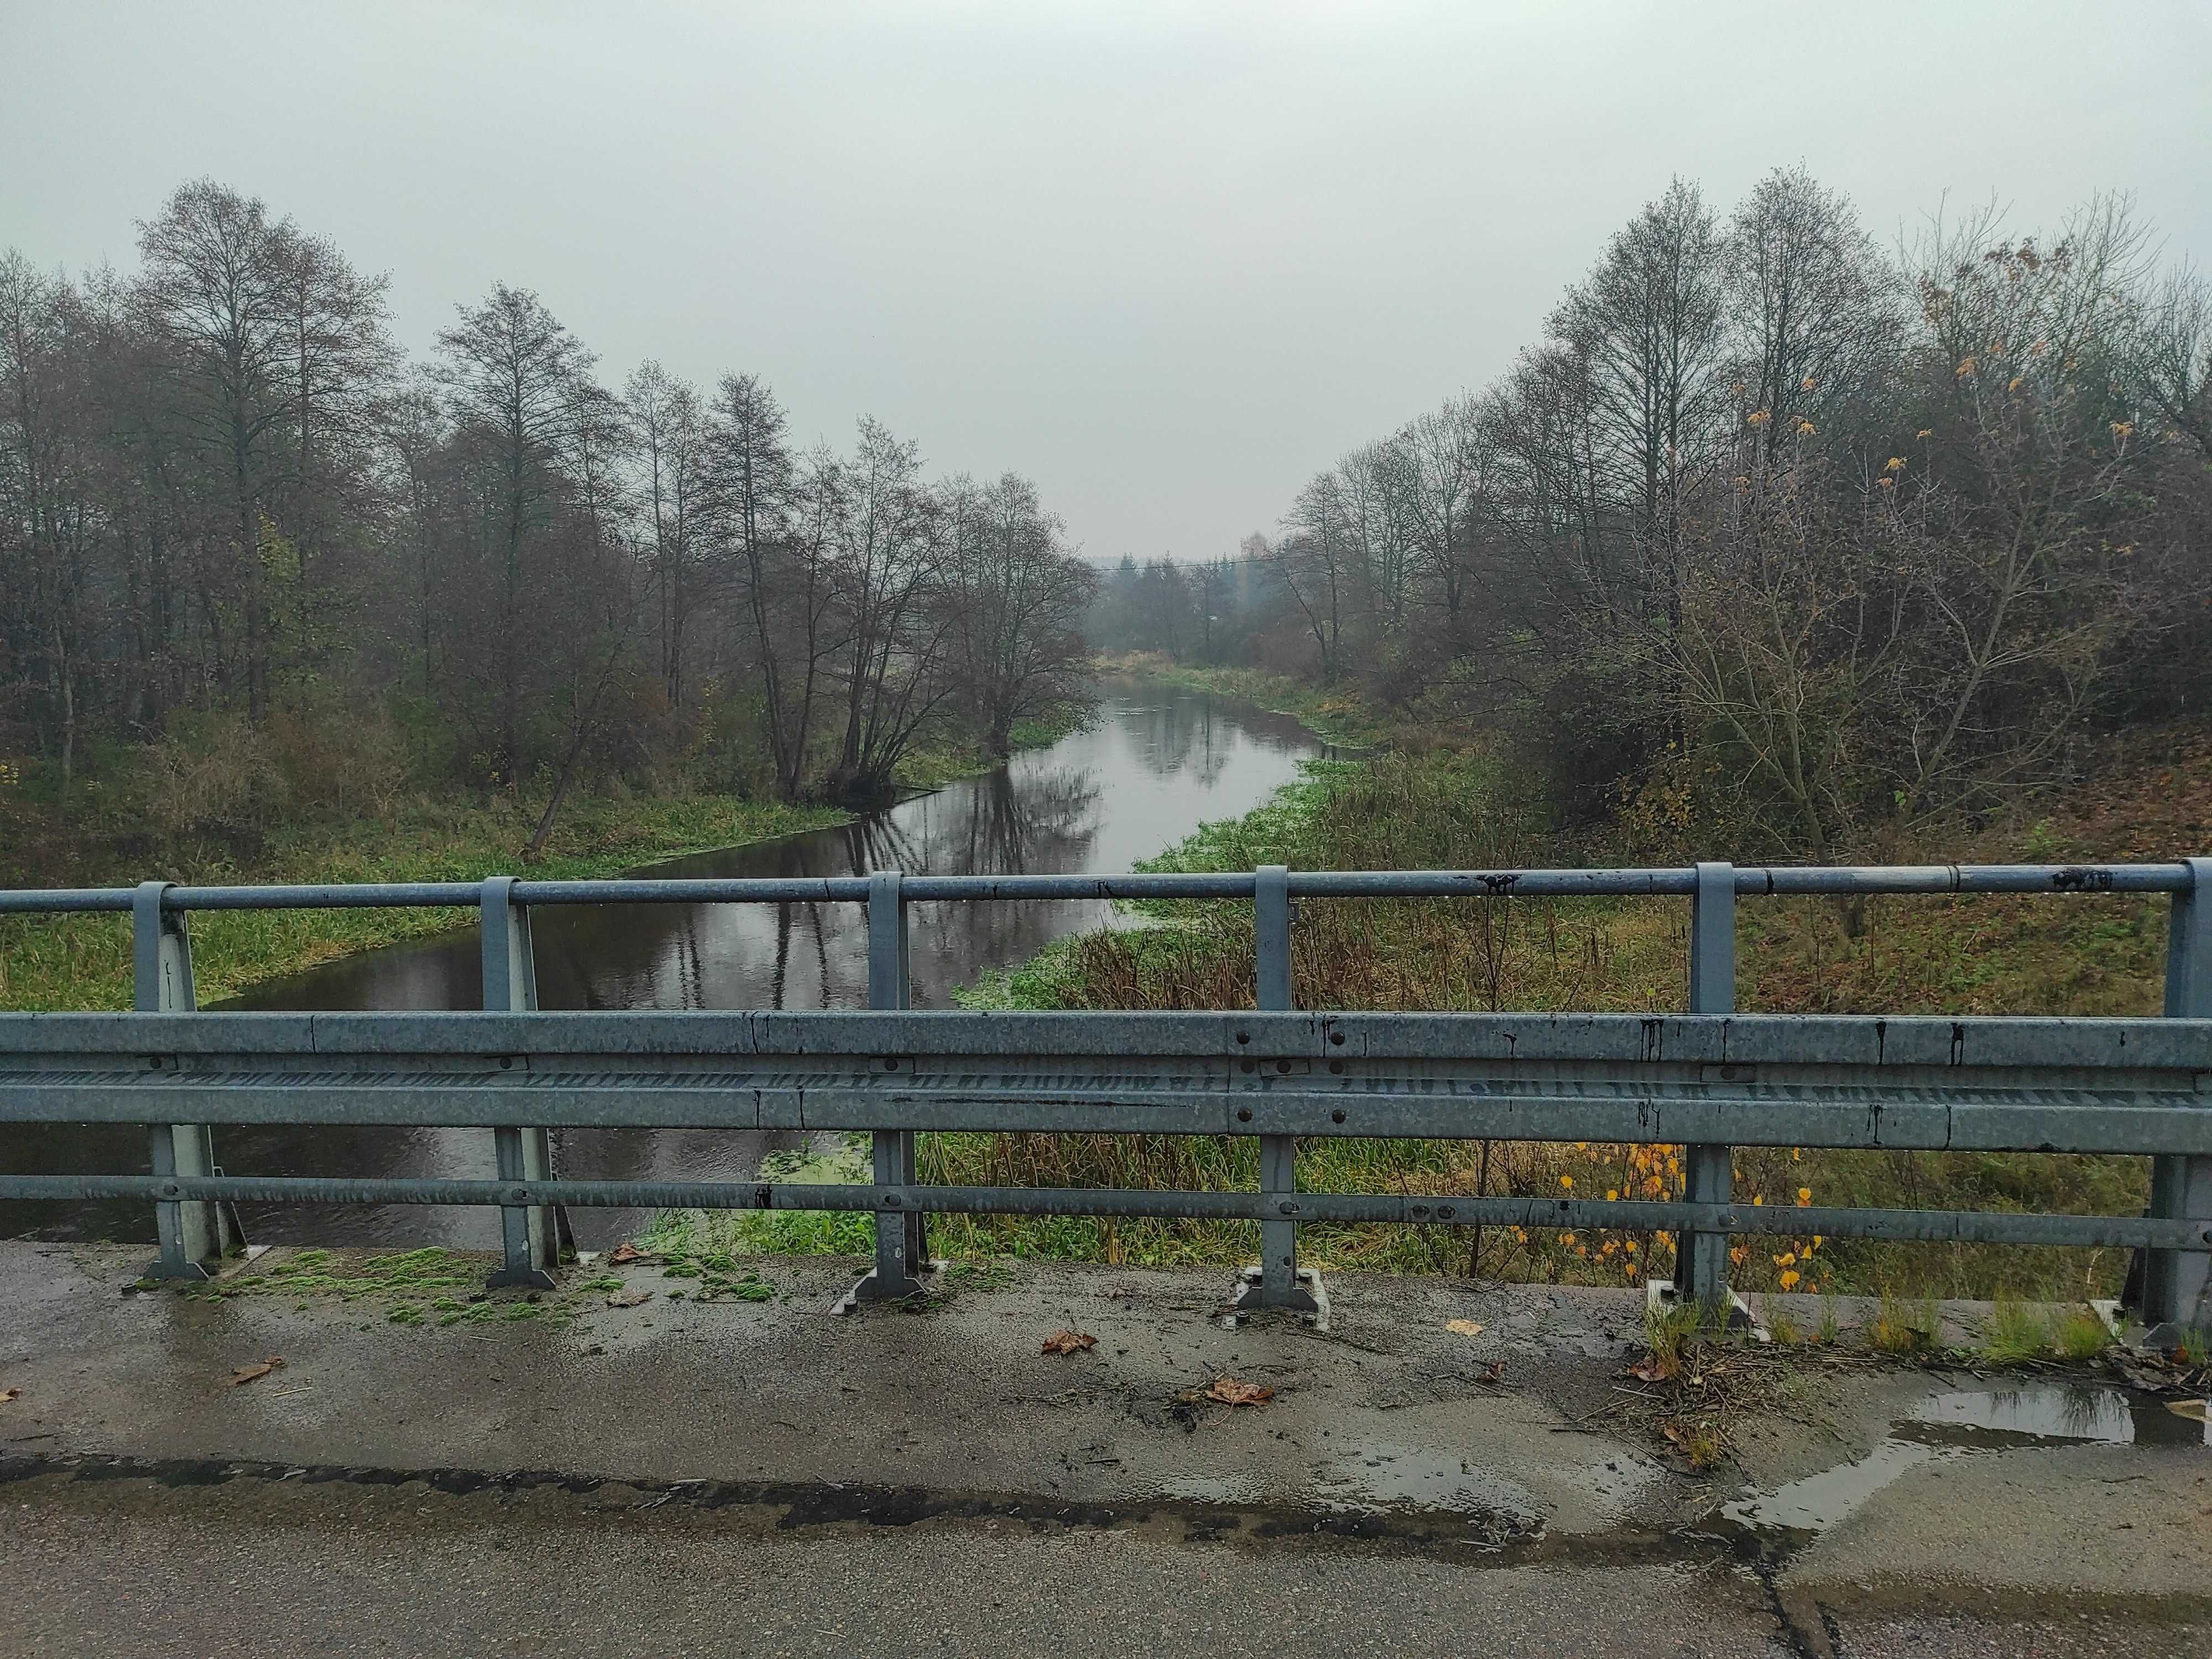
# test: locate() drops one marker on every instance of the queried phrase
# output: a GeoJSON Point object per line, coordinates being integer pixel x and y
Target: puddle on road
{"type": "Point", "coordinates": [1384, 1475]}
{"type": "Point", "coordinates": [1957, 1425]}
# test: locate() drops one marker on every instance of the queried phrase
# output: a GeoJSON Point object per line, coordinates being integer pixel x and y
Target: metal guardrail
{"type": "Point", "coordinates": [1709, 1080]}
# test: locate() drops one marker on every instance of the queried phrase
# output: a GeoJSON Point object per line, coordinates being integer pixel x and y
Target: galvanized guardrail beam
{"type": "Point", "coordinates": [1765, 880]}
{"type": "Point", "coordinates": [1708, 1082]}
{"type": "Point", "coordinates": [1443, 1210]}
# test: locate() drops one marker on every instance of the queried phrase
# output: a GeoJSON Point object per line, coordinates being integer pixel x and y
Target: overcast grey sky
{"type": "Point", "coordinates": [1168, 260]}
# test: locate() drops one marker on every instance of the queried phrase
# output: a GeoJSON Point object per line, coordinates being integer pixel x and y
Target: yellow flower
{"type": "Point", "coordinates": [1758, 1201]}
{"type": "Point", "coordinates": [1809, 383]}
{"type": "Point", "coordinates": [1567, 1182]}
{"type": "Point", "coordinates": [2018, 380]}
{"type": "Point", "coordinates": [1788, 1279]}
{"type": "Point", "coordinates": [1926, 432]}
{"type": "Point", "coordinates": [1896, 464]}
{"type": "Point", "coordinates": [1611, 1193]}
{"type": "Point", "coordinates": [1966, 368]}
{"type": "Point", "coordinates": [1787, 1258]}
{"type": "Point", "coordinates": [1759, 417]}
{"type": "Point", "coordinates": [1805, 427]}
{"type": "Point", "coordinates": [2122, 428]}
{"type": "Point", "coordinates": [1804, 1195]}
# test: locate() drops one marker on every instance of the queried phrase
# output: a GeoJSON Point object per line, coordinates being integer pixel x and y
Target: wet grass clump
{"type": "Point", "coordinates": [313, 1273]}
{"type": "Point", "coordinates": [431, 1286]}
{"type": "Point", "coordinates": [2017, 1335]}
{"type": "Point", "coordinates": [2083, 1336]}
{"type": "Point", "coordinates": [1901, 1328]}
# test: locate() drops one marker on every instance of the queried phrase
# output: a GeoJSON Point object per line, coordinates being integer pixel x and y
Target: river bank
{"type": "Point", "coordinates": [50, 963]}
{"type": "Point", "coordinates": [1435, 805]}
{"type": "Point", "coordinates": [1337, 717]}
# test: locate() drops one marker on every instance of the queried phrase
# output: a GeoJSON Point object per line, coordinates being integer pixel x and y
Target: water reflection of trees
{"type": "Point", "coordinates": [991, 826]}
{"type": "Point", "coordinates": [1178, 734]}
{"type": "Point", "coordinates": [1047, 823]}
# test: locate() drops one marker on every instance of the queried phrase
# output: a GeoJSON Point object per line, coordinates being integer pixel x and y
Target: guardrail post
{"type": "Point", "coordinates": [902, 1245]}
{"type": "Point", "coordinates": [191, 1234]}
{"type": "Point", "coordinates": [1277, 1281]}
{"type": "Point", "coordinates": [2176, 1286]}
{"type": "Point", "coordinates": [1701, 1260]}
{"type": "Point", "coordinates": [529, 1235]}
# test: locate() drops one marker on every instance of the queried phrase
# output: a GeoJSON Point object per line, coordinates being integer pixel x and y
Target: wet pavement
{"type": "Point", "coordinates": [1398, 1493]}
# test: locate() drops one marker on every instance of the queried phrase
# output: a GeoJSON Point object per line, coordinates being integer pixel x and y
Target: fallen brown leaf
{"type": "Point", "coordinates": [1464, 1326]}
{"type": "Point", "coordinates": [2191, 1409]}
{"type": "Point", "coordinates": [247, 1373]}
{"type": "Point", "coordinates": [1069, 1342]}
{"type": "Point", "coordinates": [1494, 1372]}
{"type": "Point", "coordinates": [625, 1253]}
{"type": "Point", "coordinates": [6, 1395]}
{"type": "Point", "coordinates": [1228, 1391]}
{"type": "Point", "coordinates": [629, 1298]}
{"type": "Point", "coordinates": [1650, 1369]}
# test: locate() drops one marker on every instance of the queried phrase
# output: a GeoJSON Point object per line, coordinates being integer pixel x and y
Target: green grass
{"type": "Point", "coordinates": [434, 1287]}
{"type": "Point", "coordinates": [2083, 1336]}
{"type": "Point", "coordinates": [714, 1241]}
{"type": "Point", "coordinates": [2017, 1335]}
{"type": "Point", "coordinates": [936, 762]}
{"type": "Point", "coordinates": [1902, 1328]}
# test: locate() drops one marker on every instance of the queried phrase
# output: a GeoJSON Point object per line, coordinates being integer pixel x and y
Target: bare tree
{"type": "Point", "coordinates": [670, 431]}
{"type": "Point", "coordinates": [1014, 598]}
{"type": "Point", "coordinates": [890, 546]}
{"type": "Point", "coordinates": [216, 269]}
{"type": "Point", "coordinates": [49, 517]}
{"type": "Point", "coordinates": [1812, 306]}
{"type": "Point", "coordinates": [1648, 325]}
{"type": "Point", "coordinates": [765, 521]}
{"type": "Point", "coordinates": [516, 382]}
{"type": "Point", "coordinates": [1443, 466]}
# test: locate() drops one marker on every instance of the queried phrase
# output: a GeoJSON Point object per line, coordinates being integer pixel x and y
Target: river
{"type": "Point", "coordinates": [1156, 761]}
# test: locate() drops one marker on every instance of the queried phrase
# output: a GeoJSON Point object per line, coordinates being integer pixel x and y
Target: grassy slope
{"type": "Point", "coordinates": [1335, 716]}
{"type": "Point", "coordinates": [1442, 808]}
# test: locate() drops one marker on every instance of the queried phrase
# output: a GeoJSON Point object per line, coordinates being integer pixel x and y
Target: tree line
{"type": "Point", "coordinates": [232, 512]}
{"type": "Point", "coordinates": [1778, 531]}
